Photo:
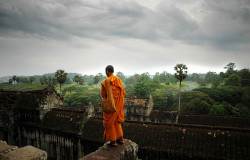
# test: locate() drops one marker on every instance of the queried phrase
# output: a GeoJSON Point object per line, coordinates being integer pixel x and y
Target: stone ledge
{"type": "Point", "coordinates": [127, 151]}
{"type": "Point", "coordinates": [25, 153]}
{"type": "Point", "coordinates": [5, 148]}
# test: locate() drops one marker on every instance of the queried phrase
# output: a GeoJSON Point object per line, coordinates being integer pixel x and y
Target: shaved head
{"type": "Point", "coordinates": [110, 69]}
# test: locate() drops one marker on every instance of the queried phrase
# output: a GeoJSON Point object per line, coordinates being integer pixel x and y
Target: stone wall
{"type": "Point", "coordinates": [70, 133]}
{"type": "Point", "coordinates": [178, 141]}
{"type": "Point", "coordinates": [215, 120]}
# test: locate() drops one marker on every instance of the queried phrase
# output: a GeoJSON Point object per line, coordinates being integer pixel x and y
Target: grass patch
{"type": "Point", "coordinates": [22, 87]}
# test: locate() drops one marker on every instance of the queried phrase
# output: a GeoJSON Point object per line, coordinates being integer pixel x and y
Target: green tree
{"type": "Point", "coordinates": [132, 80]}
{"type": "Point", "coordinates": [121, 76]}
{"type": "Point", "coordinates": [51, 82]}
{"type": "Point", "coordinates": [61, 78]}
{"type": "Point", "coordinates": [18, 79]}
{"type": "Point", "coordinates": [181, 74]}
{"type": "Point", "coordinates": [230, 69]}
{"type": "Point", "coordinates": [144, 86]}
{"type": "Point", "coordinates": [195, 77]}
{"type": "Point", "coordinates": [233, 80]}
{"type": "Point", "coordinates": [230, 66]}
{"type": "Point", "coordinates": [96, 79]}
{"type": "Point", "coordinates": [160, 98]}
{"type": "Point", "coordinates": [162, 77]}
{"type": "Point", "coordinates": [76, 79]}
{"type": "Point", "coordinates": [224, 108]}
{"type": "Point", "coordinates": [32, 79]}
{"type": "Point", "coordinates": [217, 108]}
{"type": "Point", "coordinates": [10, 81]}
{"type": "Point", "coordinates": [14, 79]}
{"type": "Point", "coordinates": [196, 102]}
{"type": "Point", "coordinates": [44, 80]}
{"type": "Point", "coordinates": [141, 89]}
{"type": "Point", "coordinates": [81, 80]}
{"type": "Point", "coordinates": [156, 77]}
{"type": "Point", "coordinates": [245, 77]}
{"type": "Point", "coordinates": [213, 78]}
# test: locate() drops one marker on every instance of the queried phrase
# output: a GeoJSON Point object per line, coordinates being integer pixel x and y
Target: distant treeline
{"type": "Point", "coordinates": [225, 93]}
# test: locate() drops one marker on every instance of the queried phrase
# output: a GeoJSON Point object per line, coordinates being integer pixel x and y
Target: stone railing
{"type": "Point", "coordinates": [8, 152]}
{"type": "Point", "coordinates": [122, 152]}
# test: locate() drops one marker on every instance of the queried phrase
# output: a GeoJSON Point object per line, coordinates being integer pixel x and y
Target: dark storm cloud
{"type": "Point", "coordinates": [227, 22]}
{"type": "Point", "coordinates": [72, 34]}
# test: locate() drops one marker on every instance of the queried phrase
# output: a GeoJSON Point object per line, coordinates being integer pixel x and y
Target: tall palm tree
{"type": "Point", "coordinates": [76, 79]}
{"type": "Point", "coordinates": [61, 77]}
{"type": "Point", "coordinates": [181, 74]}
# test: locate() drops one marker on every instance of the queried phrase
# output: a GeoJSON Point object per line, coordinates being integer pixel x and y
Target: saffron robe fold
{"type": "Point", "coordinates": [112, 121]}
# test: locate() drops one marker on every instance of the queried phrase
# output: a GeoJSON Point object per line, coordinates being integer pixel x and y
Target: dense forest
{"type": "Point", "coordinates": [226, 93]}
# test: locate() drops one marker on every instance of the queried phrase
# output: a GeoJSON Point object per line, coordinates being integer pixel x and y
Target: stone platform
{"type": "Point", "coordinates": [127, 151]}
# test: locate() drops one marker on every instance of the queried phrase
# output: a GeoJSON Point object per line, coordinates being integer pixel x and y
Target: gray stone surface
{"type": "Point", "coordinates": [5, 148]}
{"type": "Point", "coordinates": [127, 151]}
{"type": "Point", "coordinates": [25, 153]}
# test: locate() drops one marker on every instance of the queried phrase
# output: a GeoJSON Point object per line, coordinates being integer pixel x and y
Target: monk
{"type": "Point", "coordinates": [112, 121]}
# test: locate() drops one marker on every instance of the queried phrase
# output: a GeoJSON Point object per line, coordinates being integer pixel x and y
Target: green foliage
{"type": "Point", "coordinates": [18, 79]}
{"type": "Point", "coordinates": [233, 80]}
{"type": "Point", "coordinates": [209, 94]}
{"type": "Point", "coordinates": [213, 78]}
{"type": "Point", "coordinates": [121, 76]}
{"type": "Point", "coordinates": [229, 69]}
{"type": "Point", "coordinates": [22, 87]}
{"type": "Point", "coordinates": [81, 96]}
{"type": "Point", "coordinates": [141, 89]}
{"type": "Point", "coordinates": [218, 108]}
{"type": "Point", "coordinates": [14, 78]}
{"type": "Point", "coordinates": [32, 79]}
{"type": "Point", "coordinates": [144, 86]}
{"type": "Point", "coordinates": [132, 80]}
{"type": "Point", "coordinates": [181, 72]}
{"type": "Point", "coordinates": [10, 81]}
{"type": "Point", "coordinates": [76, 79]}
{"type": "Point", "coordinates": [196, 102]}
{"type": "Point", "coordinates": [224, 108]}
{"type": "Point", "coordinates": [245, 77]}
{"type": "Point", "coordinates": [96, 79]}
{"type": "Point", "coordinates": [160, 98]}
{"type": "Point", "coordinates": [195, 78]}
{"type": "Point", "coordinates": [81, 80]}
{"type": "Point", "coordinates": [61, 77]}
{"type": "Point", "coordinates": [162, 77]}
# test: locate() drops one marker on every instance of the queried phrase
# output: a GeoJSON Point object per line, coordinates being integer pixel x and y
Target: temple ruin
{"type": "Point", "coordinates": [39, 119]}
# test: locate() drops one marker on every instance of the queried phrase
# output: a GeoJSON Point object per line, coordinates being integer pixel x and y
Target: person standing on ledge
{"type": "Point", "coordinates": [112, 120]}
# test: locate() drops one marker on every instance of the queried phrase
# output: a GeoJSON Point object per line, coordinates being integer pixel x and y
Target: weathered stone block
{"type": "Point", "coordinates": [4, 147]}
{"type": "Point", "coordinates": [24, 153]}
{"type": "Point", "coordinates": [127, 151]}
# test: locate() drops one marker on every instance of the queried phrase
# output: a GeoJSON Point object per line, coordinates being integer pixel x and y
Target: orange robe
{"type": "Point", "coordinates": [112, 121]}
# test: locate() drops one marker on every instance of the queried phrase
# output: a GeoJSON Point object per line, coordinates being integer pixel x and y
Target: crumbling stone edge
{"type": "Point", "coordinates": [8, 152]}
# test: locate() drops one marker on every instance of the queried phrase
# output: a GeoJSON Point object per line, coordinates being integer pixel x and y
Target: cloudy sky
{"type": "Point", "coordinates": [135, 36]}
